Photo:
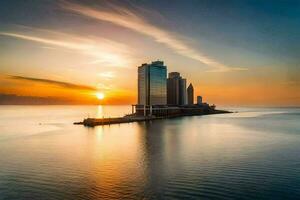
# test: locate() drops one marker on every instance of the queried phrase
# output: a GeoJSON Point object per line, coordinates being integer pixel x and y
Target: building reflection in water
{"type": "Point", "coordinates": [132, 160]}
{"type": "Point", "coordinates": [117, 164]}
{"type": "Point", "coordinates": [151, 159]}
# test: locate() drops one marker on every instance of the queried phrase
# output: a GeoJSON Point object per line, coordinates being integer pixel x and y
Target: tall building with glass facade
{"type": "Point", "coordinates": [152, 84]}
{"type": "Point", "coordinates": [176, 89]}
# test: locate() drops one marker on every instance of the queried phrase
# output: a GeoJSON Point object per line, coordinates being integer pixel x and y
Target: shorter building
{"type": "Point", "coordinates": [176, 89]}
{"type": "Point", "coordinates": [182, 92]}
{"type": "Point", "coordinates": [190, 94]}
{"type": "Point", "coordinates": [199, 100]}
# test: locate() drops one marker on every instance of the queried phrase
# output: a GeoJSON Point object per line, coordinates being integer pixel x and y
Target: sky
{"type": "Point", "coordinates": [235, 53]}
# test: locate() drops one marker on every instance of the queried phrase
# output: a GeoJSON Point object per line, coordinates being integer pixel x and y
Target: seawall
{"type": "Point", "coordinates": [91, 122]}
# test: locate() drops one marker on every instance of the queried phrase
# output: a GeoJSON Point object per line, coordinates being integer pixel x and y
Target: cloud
{"type": "Point", "coordinates": [13, 99]}
{"type": "Point", "coordinates": [101, 50]}
{"type": "Point", "coordinates": [46, 41]}
{"type": "Point", "coordinates": [53, 82]}
{"type": "Point", "coordinates": [292, 83]}
{"type": "Point", "coordinates": [107, 75]}
{"type": "Point", "coordinates": [125, 18]}
{"type": "Point", "coordinates": [102, 86]}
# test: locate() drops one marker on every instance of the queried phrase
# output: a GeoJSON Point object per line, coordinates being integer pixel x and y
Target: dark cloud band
{"type": "Point", "coordinates": [53, 82]}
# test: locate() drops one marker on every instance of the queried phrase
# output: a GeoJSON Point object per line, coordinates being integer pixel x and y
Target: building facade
{"type": "Point", "coordinates": [152, 84]}
{"type": "Point", "coordinates": [173, 88]}
{"type": "Point", "coordinates": [190, 94]}
{"type": "Point", "coordinates": [199, 100]}
{"type": "Point", "coordinates": [176, 89]}
{"type": "Point", "coordinates": [182, 92]}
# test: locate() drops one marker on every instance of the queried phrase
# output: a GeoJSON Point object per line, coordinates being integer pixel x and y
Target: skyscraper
{"type": "Point", "coordinates": [173, 88]}
{"type": "Point", "coordinates": [152, 84]}
{"type": "Point", "coordinates": [182, 92]}
{"type": "Point", "coordinates": [190, 94]}
{"type": "Point", "coordinates": [199, 100]}
{"type": "Point", "coordinates": [176, 89]}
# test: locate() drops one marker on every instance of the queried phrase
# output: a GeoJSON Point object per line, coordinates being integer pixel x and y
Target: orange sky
{"type": "Point", "coordinates": [243, 94]}
{"type": "Point", "coordinates": [81, 50]}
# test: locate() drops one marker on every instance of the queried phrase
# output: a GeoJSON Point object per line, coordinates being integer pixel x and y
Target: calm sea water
{"type": "Point", "coordinates": [253, 154]}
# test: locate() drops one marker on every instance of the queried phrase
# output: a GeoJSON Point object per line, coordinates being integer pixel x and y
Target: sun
{"type": "Point", "coordinates": [100, 95]}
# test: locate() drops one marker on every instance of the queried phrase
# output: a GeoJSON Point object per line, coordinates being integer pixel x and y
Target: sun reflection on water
{"type": "Point", "coordinates": [99, 113]}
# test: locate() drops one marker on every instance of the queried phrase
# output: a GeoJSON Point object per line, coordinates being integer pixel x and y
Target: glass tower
{"type": "Point", "coordinates": [152, 84]}
{"type": "Point", "coordinates": [176, 89]}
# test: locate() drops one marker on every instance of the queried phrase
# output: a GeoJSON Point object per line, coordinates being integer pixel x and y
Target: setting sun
{"type": "Point", "coordinates": [100, 95]}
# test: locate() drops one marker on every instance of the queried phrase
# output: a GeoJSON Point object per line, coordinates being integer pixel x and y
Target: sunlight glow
{"type": "Point", "coordinates": [100, 95]}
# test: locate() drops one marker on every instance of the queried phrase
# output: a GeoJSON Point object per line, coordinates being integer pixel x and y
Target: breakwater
{"type": "Point", "coordinates": [91, 122]}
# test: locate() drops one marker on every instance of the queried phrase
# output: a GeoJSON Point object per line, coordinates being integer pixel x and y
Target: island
{"type": "Point", "coordinates": [149, 113]}
{"type": "Point", "coordinates": [160, 97]}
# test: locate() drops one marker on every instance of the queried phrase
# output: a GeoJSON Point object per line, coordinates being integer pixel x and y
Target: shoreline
{"type": "Point", "coordinates": [91, 122]}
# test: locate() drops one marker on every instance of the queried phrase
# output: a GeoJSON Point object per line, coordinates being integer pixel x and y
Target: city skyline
{"type": "Point", "coordinates": [69, 52]}
{"type": "Point", "coordinates": [156, 88]}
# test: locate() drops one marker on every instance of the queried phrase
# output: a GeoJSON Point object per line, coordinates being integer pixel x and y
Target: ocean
{"type": "Point", "coordinates": [252, 154]}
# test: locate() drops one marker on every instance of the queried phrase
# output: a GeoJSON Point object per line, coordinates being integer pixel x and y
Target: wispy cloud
{"type": "Point", "coordinates": [100, 50]}
{"type": "Point", "coordinates": [54, 82]}
{"type": "Point", "coordinates": [107, 75]}
{"type": "Point", "coordinates": [126, 18]}
{"type": "Point", "coordinates": [292, 83]}
{"type": "Point", "coordinates": [46, 41]}
{"type": "Point", "coordinates": [102, 86]}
